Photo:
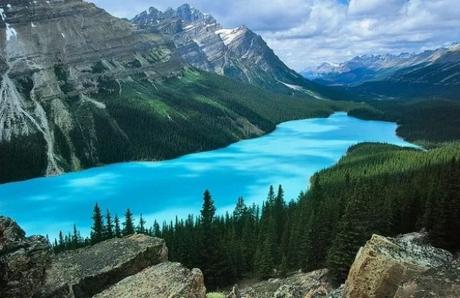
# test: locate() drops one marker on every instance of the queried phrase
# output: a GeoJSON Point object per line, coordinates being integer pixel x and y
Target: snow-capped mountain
{"type": "Point", "coordinates": [238, 53]}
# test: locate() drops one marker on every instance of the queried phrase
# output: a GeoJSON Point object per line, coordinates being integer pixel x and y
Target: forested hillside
{"type": "Point", "coordinates": [427, 122]}
{"type": "Point", "coordinates": [375, 188]}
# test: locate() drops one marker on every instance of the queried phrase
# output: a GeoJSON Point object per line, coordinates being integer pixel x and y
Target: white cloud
{"type": "Point", "coordinates": [308, 32]}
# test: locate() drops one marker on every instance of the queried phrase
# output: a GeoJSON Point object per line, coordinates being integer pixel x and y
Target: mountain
{"type": "Point", "coordinates": [238, 53]}
{"type": "Point", "coordinates": [366, 68]}
{"type": "Point", "coordinates": [431, 74]}
{"type": "Point", "coordinates": [81, 88]}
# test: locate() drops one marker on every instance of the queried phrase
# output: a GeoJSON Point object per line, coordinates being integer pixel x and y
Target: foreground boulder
{"type": "Point", "coordinates": [23, 260]}
{"type": "Point", "coordinates": [134, 266]}
{"type": "Point", "coordinates": [299, 285]}
{"type": "Point", "coordinates": [163, 280]}
{"type": "Point", "coordinates": [385, 266]}
{"type": "Point", "coordinates": [87, 271]}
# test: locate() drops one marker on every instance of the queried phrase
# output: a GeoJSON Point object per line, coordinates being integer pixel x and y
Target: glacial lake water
{"type": "Point", "coordinates": [161, 190]}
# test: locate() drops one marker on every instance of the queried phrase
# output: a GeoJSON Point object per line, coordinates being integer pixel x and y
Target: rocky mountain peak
{"type": "Point", "coordinates": [205, 44]}
{"type": "Point", "coordinates": [188, 13]}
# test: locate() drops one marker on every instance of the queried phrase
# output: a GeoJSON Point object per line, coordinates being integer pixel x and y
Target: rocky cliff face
{"type": "Point", "coordinates": [134, 266]}
{"type": "Point", "coordinates": [238, 53]}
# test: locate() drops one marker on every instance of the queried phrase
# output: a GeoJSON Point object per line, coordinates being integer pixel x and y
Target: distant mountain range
{"type": "Point", "coordinates": [430, 74]}
{"type": "Point", "coordinates": [238, 53]}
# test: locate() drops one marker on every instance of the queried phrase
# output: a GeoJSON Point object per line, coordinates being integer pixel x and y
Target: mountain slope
{"type": "Point", "coordinates": [81, 88]}
{"type": "Point", "coordinates": [238, 53]}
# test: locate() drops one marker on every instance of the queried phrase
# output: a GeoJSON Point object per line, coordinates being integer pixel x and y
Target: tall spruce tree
{"type": "Point", "coordinates": [109, 233]}
{"type": "Point", "coordinates": [75, 238]}
{"type": "Point", "coordinates": [141, 227]}
{"type": "Point", "coordinates": [97, 229]}
{"type": "Point", "coordinates": [117, 227]}
{"type": "Point", "coordinates": [211, 255]}
{"type": "Point", "coordinates": [128, 225]}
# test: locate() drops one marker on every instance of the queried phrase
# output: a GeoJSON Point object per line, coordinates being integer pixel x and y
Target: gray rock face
{"type": "Point", "coordinates": [299, 285]}
{"type": "Point", "coordinates": [22, 260]}
{"type": "Point", "coordinates": [238, 53]}
{"type": "Point", "coordinates": [163, 280]}
{"type": "Point", "coordinates": [87, 271]}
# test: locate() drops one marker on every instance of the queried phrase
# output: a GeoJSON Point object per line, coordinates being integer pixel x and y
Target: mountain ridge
{"type": "Point", "coordinates": [370, 67]}
{"type": "Point", "coordinates": [238, 53]}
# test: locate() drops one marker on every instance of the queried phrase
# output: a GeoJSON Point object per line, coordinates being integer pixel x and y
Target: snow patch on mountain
{"type": "Point", "coordinates": [229, 35]}
{"type": "Point", "coordinates": [291, 86]}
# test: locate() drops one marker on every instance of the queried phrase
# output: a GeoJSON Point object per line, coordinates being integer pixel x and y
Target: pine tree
{"type": "Point", "coordinates": [128, 228]}
{"type": "Point", "coordinates": [156, 229]}
{"type": "Point", "coordinates": [117, 227]}
{"type": "Point", "coordinates": [264, 262]}
{"type": "Point", "coordinates": [108, 225]}
{"type": "Point", "coordinates": [75, 238]}
{"type": "Point", "coordinates": [97, 229]}
{"type": "Point", "coordinates": [352, 233]}
{"type": "Point", "coordinates": [211, 255]}
{"type": "Point", "coordinates": [207, 212]}
{"type": "Point", "coordinates": [141, 227]}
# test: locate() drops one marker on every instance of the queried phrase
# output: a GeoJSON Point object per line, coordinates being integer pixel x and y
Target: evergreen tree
{"type": "Point", "coordinates": [156, 229]}
{"type": "Point", "coordinates": [141, 227]}
{"type": "Point", "coordinates": [75, 238]}
{"type": "Point", "coordinates": [211, 254]}
{"type": "Point", "coordinates": [109, 233]}
{"type": "Point", "coordinates": [117, 227]}
{"type": "Point", "coordinates": [97, 229]}
{"type": "Point", "coordinates": [264, 261]}
{"type": "Point", "coordinates": [352, 233]}
{"type": "Point", "coordinates": [207, 212]}
{"type": "Point", "coordinates": [128, 225]}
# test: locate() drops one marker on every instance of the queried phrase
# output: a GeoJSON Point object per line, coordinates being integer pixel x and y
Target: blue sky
{"type": "Point", "coordinates": [305, 33]}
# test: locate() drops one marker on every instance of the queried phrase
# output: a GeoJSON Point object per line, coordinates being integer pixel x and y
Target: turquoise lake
{"type": "Point", "coordinates": [161, 190]}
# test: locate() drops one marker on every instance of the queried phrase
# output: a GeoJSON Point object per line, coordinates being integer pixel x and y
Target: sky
{"type": "Point", "coordinates": [306, 33]}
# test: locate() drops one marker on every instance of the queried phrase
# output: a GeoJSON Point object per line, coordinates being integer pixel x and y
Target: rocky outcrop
{"type": "Point", "coordinates": [23, 260]}
{"type": "Point", "coordinates": [88, 271]}
{"type": "Point", "coordinates": [299, 285]}
{"type": "Point", "coordinates": [398, 267]}
{"type": "Point", "coordinates": [134, 266]}
{"type": "Point", "coordinates": [402, 267]}
{"type": "Point", "coordinates": [163, 280]}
